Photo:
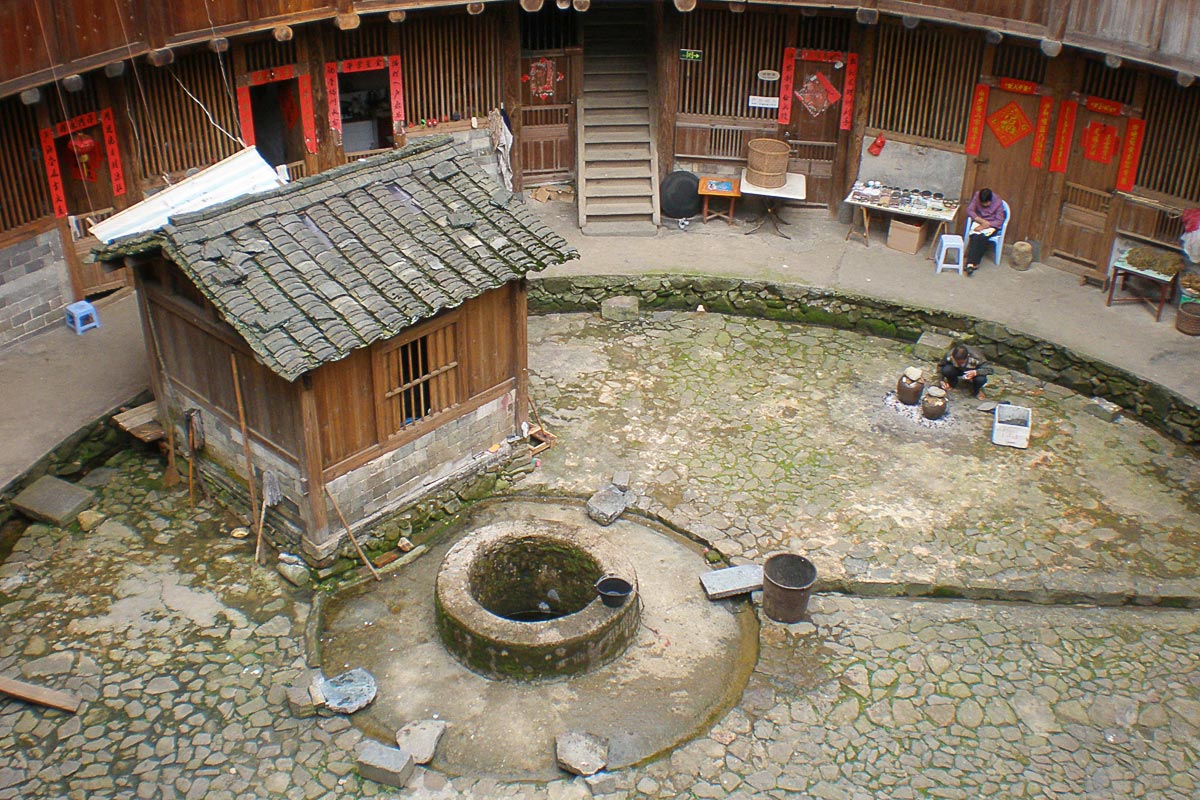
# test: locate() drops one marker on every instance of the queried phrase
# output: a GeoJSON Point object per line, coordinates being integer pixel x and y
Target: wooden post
{"type": "Point", "coordinates": [241, 408]}
{"type": "Point", "coordinates": [311, 458]}
{"type": "Point", "coordinates": [666, 68]}
{"type": "Point", "coordinates": [520, 310]}
{"type": "Point", "coordinates": [510, 82]}
{"type": "Point", "coordinates": [866, 42]}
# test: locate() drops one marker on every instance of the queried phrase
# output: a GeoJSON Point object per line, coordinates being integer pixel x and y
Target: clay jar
{"type": "Point", "coordinates": [909, 387]}
{"type": "Point", "coordinates": [933, 405]}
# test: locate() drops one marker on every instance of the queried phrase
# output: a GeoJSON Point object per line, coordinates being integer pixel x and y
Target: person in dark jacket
{"type": "Point", "coordinates": [964, 364]}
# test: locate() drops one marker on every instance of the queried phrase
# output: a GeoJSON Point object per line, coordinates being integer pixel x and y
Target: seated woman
{"type": "Point", "coordinates": [962, 363]}
{"type": "Point", "coordinates": [987, 211]}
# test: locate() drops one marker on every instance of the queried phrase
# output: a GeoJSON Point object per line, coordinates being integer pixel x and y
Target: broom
{"type": "Point", "coordinates": [271, 498]}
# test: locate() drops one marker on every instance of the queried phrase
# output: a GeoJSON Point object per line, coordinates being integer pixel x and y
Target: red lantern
{"type": "Point", "coordinates": [82, 146]}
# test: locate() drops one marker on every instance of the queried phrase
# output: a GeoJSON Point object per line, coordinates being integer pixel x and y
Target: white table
{"type": "Point", "coordinates": [795, 188]}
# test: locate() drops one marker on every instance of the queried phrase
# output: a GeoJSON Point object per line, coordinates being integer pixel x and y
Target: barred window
{"type": "Point", "coordinates": [416, 378]}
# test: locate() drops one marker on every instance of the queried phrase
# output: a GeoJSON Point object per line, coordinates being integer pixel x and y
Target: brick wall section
{"type": "Point", "coordinates": [34, 286]}
{"type": "Point", "coordinates": [421, 467]}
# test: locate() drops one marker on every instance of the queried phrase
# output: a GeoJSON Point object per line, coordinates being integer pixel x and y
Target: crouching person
{"type": "Point", "coordinates": [964, 364]}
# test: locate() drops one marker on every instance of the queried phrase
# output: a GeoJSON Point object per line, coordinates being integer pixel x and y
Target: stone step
{"type": "Point", "coordinates": [620, 227]}
{"type": "Point", "coordinates": [618, 206]}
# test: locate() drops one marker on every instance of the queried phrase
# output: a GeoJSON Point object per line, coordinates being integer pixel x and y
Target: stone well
{"type": "Point", "coordinates": [517, 599]}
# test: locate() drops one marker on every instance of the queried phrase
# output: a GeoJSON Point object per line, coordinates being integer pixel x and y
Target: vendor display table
{"type": "Point", "coordinates": [1120, 271]}
{"type": "Point", "coordinates": [941, 216]}
{"type": "Point", "coordinates": [711, 186]}
{"type": "Point", "coordinates": [796, 188]}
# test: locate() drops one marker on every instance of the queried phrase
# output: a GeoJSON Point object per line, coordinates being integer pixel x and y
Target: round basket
{"type": "Point", "coordinates": [1187, 319]}
{"type": "Point", "coordinates": [766, 163]}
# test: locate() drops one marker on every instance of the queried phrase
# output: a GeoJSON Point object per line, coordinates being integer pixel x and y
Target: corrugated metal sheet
{"type": "Point", "coordinates": [241, 174]}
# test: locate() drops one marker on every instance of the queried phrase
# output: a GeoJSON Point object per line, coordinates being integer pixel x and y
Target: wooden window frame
{"type": "Point", "coordinates": [385, 394]}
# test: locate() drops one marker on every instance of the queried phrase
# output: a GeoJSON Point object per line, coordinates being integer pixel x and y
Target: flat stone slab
{"type": "Point", "coordinates": [421, 738]}
{"type": "Point", "coordinates": [53, 500]}
{"type": "Point", "coordinates": [581, 753]}
{"type": "Point", "coordinates": [1104, 409]}
{"type": "Point", "coordinates": [619, 309]}
{"type": "Point", "coordinates": [732, 581]}
{"type": "Point", "coordinates": [387, 765]}
{"type": "Point", "coordinates": [932, 346]}
{"type": "Point", "coordinates": [607, 504]}
{"type": "Point", "coordinates": [348, 692]}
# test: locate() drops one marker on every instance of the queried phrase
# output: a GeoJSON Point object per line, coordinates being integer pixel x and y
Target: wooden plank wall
{"type": "Point", "coordinates": [735, 48]}
{"type": "Point", "coordinates": [450, 65]}
{"type": "Point", "coordinates": [1171, 154]}
{"type": "Point", "coordinates": [172, 131]}
{"type": "Point", "coordinates": [24, 193]}
{"type": "Point", "coordinates": [346, 391]}
{"type": "Point", "coordinates": [924, 82]}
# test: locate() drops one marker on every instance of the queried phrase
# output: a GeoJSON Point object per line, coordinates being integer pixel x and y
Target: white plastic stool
{"type": "Point", "coordinates": [946, 243]}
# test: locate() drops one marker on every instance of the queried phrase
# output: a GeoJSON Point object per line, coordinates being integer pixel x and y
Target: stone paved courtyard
{"type": "Point", "coordinates": [755, 436]}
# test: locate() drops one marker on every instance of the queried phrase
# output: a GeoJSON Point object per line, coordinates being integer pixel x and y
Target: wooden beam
{"type": "Point", "coordinates": [474, 9]}
{"type": "Point", "coordinates": [31, 97]}
{"type": "Point", "coordinates": [283, 33]}
{"type": "Point", "coordinates": [685, 5]}
{"type": "Point", "coordinates": [532, 6]}
{"type": "Point", "coordinates": [114, 70]}
{"type": "Point", "coordinates": [218, 45]}
{"type": "Point", "coordinates": [73, 83]}
{"type": "Point", "coordinates": [347, 22]}
{"type": "Point", "coordinates": [397, 16]}
{"type": "Point", "coordinates": [31, 693]}
{"type": "Point", "coordinates": [162, 57]}
{"type": "Point", "coordinates": [581, 5]}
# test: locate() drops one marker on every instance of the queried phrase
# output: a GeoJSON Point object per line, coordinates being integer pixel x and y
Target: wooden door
{"type": "Point", "coordinates": [1082, 232]}
{"type": "Point", "coordinates": [820, 102]}
{"type": "Point", "coordinates": [547, 124]}
{"type": "Point", "coordinates": [1013, 153]}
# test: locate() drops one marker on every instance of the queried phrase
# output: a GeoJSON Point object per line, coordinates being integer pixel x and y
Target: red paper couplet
{"type": "Point", "coordinates": [825, 56]}
{"type": "Point", "coordinates": [1102, 106]}
{"type": "Point", "coordinates": [848, 85]}
{"type": "Point", "coordinates": [1131, 154]}
{"type": "Point", "coordinates": [1063, 136]}
{"type": "Point", "coordinates": [272, 75]}
{"type": "Point", "coordinates": [58, 197]}
{"type": "Point", "coordinates": [364, 64]}
{"type": "Point", "coordinates": [1017, 87]}
{"type": "Point", "coordinates": [979, 103]}
{"type": "Point", "coordinates": [246, 115]}
{"type": "Point", "coordinates": [1099, 142]}
{"type": "Point", "coordinates": [308, 119]}
{"type": "Point", "coordinates": [396, 85]}
{"type": "Point", "coordinates": [787, 77]}
{"type": "Point", "coordinates": [333, 95]}
{"type": "Point", "coordinates": [1041, 133]}
{"type": "Point", "coordinates": [112, 151]}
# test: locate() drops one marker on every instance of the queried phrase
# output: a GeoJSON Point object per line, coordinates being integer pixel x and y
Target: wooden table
{"type": "Point", "coordinates": [796, 188]}
{"type": "Point", "coordinates": [942, 217]}
{"type": "Point", "coordinates": [1120, 271]}
{"type": "Point", "coordinates": [711, 186]}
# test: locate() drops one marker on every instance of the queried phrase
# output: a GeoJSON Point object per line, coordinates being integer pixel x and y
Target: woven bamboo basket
{"type": "Point", "coordinates": [1187, 319]}
{"type": "Point", "coordinates": [766, 163]}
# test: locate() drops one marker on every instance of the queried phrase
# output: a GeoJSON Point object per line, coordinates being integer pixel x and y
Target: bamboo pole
{"type": "Point", "coordinates": [350, 533]}
{"type": "Point", "coordinates": [237, 389]}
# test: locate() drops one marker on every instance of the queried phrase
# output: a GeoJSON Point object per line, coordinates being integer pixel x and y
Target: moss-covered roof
{"type": "Point", "coordinates": [310, 271]}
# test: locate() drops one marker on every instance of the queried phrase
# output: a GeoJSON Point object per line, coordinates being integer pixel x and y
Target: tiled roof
{"type": "Point", "coordinates": [331, 263]}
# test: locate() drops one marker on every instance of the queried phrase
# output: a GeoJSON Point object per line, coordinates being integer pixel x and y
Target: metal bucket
{"type": "Point", "coordinates": [787, 583]}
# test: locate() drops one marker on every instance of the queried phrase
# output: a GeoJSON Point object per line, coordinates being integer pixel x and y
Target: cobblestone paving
{"type": "Point", "coordinates": [757, 436]}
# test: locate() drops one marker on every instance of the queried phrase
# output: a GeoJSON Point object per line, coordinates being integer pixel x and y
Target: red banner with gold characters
{"type": "Point", "coordinates": [58, 197]}
{"type": "Point", "coordinates": [112, 151]}
{"type": "Point", "coordinates": [308, 119]}
{"type": "Point", "coordinates": [396, 87]}
{"type": "Point", "coordinates": [1063, 136]}
{"type": "Point", "coordinates": [787, 78]}
{"type": "Point", "coordinates": [1016, 86]}
{"type": "Point", "coordinates": [246, 115]}
{"type": "Point", "coordinates": [333, 94]}
{"type": "Point", "coordinates": [1099, 142]}
{"type": "Point", "coordinates": [979, 103]}
{"type": "Point", "coordinates": [364, 64]}
{"type": "Point", "coordinates": [1102, 106]}
{"type": "Point", "coordinates": [1131, 154]}
{"type": "Point", "coordinates": [1041, 133]}
{"type": "Point", "coordinates": [848, 86]}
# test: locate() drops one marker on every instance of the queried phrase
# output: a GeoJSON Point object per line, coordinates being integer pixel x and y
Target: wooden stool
{"type": "Point", "coordinates": [719, 187]}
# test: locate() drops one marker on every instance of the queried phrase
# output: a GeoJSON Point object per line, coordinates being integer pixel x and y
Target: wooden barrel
{"type": "Point", "coordinates": [1187, 319]}
{"type": "Point", "coordinates": [766, 163]}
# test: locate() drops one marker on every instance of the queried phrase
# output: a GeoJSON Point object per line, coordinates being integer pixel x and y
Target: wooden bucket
{"type": "Point", "coordinates": [766, 163]}
{"type": "Point", "coordinates": [1187, 318]}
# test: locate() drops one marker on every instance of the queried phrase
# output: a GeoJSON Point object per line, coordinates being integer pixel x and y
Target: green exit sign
{"type": "Point", "coordinates": [691, 55]}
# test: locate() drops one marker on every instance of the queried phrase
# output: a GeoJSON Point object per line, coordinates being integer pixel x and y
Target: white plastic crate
{"type": "Point", "coordinates": [1011, 425]}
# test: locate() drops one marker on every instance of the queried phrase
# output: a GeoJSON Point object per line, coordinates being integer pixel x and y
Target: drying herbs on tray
{"type": "Point", "coordinates": [1154, 260]}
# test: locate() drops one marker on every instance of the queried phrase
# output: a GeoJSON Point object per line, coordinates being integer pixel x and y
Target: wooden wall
{"type": "Point", "coordinates": [486, 355]}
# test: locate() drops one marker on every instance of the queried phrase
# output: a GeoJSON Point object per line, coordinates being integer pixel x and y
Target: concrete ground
{"type": "Point", "coordinates": [754, 436]}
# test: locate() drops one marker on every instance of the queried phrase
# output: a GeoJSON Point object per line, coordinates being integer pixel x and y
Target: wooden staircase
{"type": "Point", "coordinates": [617, 173]}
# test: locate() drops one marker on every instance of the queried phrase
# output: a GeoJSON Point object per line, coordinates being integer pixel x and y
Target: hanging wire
{"type": "Point", "coordinates": [137, 78]}
{"type": "Point", "coordinates": [212, 120]}
{"type": "Point", "coordinates": [228, 84]}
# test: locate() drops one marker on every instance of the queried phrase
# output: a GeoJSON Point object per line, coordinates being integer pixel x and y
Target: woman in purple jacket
{"type": "Point", "coordinates": [988, 212]}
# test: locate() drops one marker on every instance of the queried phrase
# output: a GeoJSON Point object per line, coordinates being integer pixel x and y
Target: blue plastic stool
{"type": "Point", "coordinates": [82, 316]}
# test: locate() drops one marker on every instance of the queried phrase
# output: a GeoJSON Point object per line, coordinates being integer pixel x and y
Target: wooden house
{"type": "Point", "coordinates": [365, 326]}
